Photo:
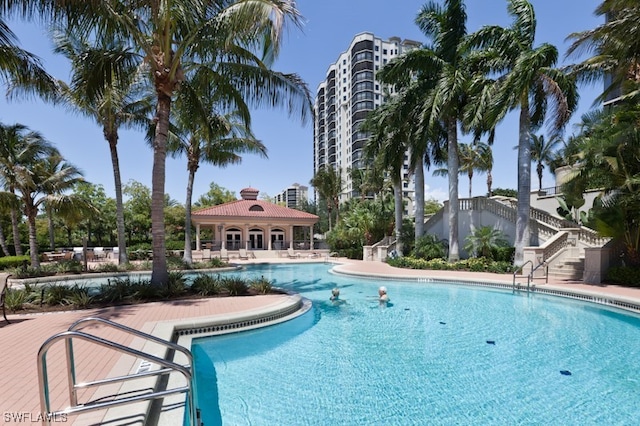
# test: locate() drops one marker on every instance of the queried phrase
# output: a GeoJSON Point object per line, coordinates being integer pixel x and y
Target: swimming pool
{"type": "Point", "coordinates": [441, 354]}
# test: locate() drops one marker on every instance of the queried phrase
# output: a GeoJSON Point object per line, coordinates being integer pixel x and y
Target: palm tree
{"type": "Point", "coordinates": [106, 86]}
{"type": "Point", "coordinates": [414, 75]}
{"type": "Point", "coordinates": [205, 136]}
{"type": "Point", "coordinates": [387, 145]}
{"type": "Point", "coordinates": [615, 48]}
{"type": "Point", "coordinates": [529, 82]}
{"type": "Point", "coordinates": [474, 157]}
{"type": "Point", "coordinates": [542, 152]}
{"type": "Point", "coordinates": [19, 148]}
{"type": "Point", "coordinates": [22, 70]}
{"type": "Point", "coordinates": [445, 57]}
{"type": "Point", "coordinates": [328, 185]}
{"type": "Point", "coordinates": [45, 180]}
{"type": "Point", "coordinates": [234, 42]}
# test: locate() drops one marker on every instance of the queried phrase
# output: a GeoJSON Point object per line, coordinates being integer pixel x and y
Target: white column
{"type": "Point", "coordinates": [268, 236]}
{"type": "Point", "coordinates": [311, 238]}
{"type": "Point", "coordinates": [198, 236]}
{"type": "Point", "coordinates": [291, 236]}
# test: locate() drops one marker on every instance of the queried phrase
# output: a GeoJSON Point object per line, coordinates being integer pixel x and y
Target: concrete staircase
{"type": "Point", "coordinates": [571, 268]}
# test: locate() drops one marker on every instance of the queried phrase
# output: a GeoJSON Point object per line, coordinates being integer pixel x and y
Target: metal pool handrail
{"type": "Point", "coordinates": [169, 367]}
{"type": "Point", "coordinates": [521, 268]}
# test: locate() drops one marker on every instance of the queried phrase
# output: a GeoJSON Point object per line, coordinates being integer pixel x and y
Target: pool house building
{"type": "Point", "coordinates": [254, 225]}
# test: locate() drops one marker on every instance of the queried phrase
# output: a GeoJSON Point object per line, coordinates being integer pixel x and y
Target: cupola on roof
{"type": "Point", "coordinates": [249, 194]}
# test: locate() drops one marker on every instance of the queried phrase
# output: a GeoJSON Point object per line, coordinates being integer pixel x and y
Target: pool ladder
{"type": "Point", "coordinates": [530, 275]}
{"type": "Point", "coordinates": [168, 367]}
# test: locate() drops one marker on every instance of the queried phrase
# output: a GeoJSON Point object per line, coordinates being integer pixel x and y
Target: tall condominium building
{"type": "Point", "coordinates": [343, 100]}
{"type": "Point", "coordinates": [293, 196]}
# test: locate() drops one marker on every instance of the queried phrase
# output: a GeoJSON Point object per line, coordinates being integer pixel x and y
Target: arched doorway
{"type": "Point", "coordinates": [277, 239]}
{"type": "Point", "coordinates": [233, 238]}
{"type": "Point", "coordinates": [256, 239]}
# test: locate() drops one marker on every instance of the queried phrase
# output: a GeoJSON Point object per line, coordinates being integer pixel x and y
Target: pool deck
{"type": "Point", "coordinates": [21, 340]}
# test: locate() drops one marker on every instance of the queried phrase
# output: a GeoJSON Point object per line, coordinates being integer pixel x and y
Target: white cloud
{"type": "Point", "coordinates": [440, 194]}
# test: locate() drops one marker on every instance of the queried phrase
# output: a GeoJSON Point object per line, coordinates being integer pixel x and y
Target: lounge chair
{"type": "Point", "coordinates": [292, 254]}
{"type": "Point", "coordinates": [3, 289]}
{"type": "Point", "coordinates": [206, 254]}
{"type": "Point", "coordinates": [224, 254]}
{"type": "Point", "coordinates": [242, 254]}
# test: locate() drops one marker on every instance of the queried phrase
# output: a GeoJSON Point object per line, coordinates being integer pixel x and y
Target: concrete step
{"type": "Point", "coordinates": [571, 269]}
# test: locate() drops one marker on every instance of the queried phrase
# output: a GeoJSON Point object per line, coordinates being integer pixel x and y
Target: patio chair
{"type": "Point", "coordinates": [3, 290]}
{"type": "Point", "coordinates": [224, 254]}
{"type": "Point", "coordinates": [206, 254]}
{"type": "Point", "coordinates": [114, 253]}
{"type": "Point", "coordinates": [99, 253]}
{"type": "Point", "coordinates": [292, 254]}
{"type": "Point", "coordinates": [242, 254]}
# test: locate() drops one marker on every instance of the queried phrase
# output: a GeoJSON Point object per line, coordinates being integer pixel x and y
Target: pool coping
{"type": "Point", "coordinates": [170, 410]}
{"type": "Point", "coordinates": [628, 304]}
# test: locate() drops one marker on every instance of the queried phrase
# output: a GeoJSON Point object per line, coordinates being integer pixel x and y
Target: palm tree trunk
{"type": "Point", "coordinates": [117, 180]}
{"type": "Point", "coordinates": [472, 224]}
{"type": "Point", "coordinates": [397, 198]}
{"type": "Point", "coordinates": [33, 242]}
{"type": "Point", "coordinates": [419, 186]}
{"type": "Point", "coordinates": [52, 240]}
{"type": "Point", "coordinates": [489, 183]}
{"type": "Point", "coordinates": [16, 232]}
{"type": "Point", "coordinates": [524, 186]}
{"type": "Point", "coordinates": [452, 165]}
{"type": "Point", "coordinates": [159, 273]}
{"type": "Point", "coordinates": [3, 243]}
{"type": "Point", "coordinates": [187, 258]}
{"type": "Point", "coordinates": [539, 170]}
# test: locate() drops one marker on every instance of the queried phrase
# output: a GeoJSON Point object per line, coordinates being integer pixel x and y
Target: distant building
{"type": "Point", "coordinates": [293, 196]}
{"type": "Point", "coordinates": [344, 99]}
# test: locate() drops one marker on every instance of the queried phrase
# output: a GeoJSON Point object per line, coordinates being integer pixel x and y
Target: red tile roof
{"type": "Point", "coordinates": [254, 209]}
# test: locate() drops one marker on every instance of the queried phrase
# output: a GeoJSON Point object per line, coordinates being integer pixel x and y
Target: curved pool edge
{"type": "Point", "coordinates": [170, 411]}
{"type": "Point", "coordinates": [593, 294]}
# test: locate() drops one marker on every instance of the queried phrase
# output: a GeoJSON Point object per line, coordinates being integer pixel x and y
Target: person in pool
{"type": "Point", "coordinates": [335, 294]}
{"type": "Point", "coordinates": [383, 297]}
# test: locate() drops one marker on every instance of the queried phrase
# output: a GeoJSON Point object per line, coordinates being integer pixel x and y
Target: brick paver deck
{"type": "Point", "coordinates": [20, 340]}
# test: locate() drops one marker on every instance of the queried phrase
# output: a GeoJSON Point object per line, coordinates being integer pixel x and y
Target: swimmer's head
{"type": "Point", "coordinates": [382, 290]}
{"type": "Point", "coordinates": [335, 292]}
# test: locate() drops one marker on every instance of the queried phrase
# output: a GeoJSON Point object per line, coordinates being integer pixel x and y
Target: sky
{"type": "Point", "coordinates": [329, 26]}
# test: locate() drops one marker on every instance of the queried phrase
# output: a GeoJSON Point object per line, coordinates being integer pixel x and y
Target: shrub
{"type": "Point", "coordinates": [176, 263]}
{"type": "Point", "coordinates": [429, 247]}
{"type": "Point", "coordinates": [483, 240]}
{"type": "Point", "coordinates": [624, 275]}
{"type": "Point", "coordinates": [107, 267]}
{"type": "Point", "coordinates": [206, 285]}
{"type": "Point", "coordinates": [260, 285]}
{"type": "Point", "coordinates": [235, 286]}
{"type": "Point", "coordinates": [67, 266]}
{"type": "Point", "coordinates": [118, 290]}
{"type": "Point", "coordinates": [79, 297]}
{"type": "Point", "coordinates": [56, 294]}
{"type": "Point", "coordinates": [8, 262]}
{"type": "Point", "coordinates": [176, 285]}
{"type": "Point", "coordinates": [15, 299]}
{"type": "Point", "coordinates": [143, 290]}
{"type": "Point", "coordinates": [473, 264]}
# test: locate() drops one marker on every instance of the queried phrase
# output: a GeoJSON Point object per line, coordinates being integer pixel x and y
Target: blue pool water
{"type": "Point", "coordinates": [440, 355]}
